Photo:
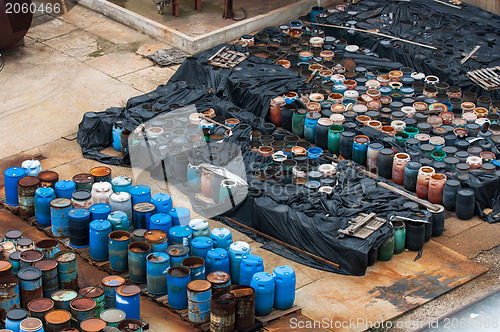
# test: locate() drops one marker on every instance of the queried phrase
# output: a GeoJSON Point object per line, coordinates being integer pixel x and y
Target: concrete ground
{"type": "Point", "coordinates": [82, 62]}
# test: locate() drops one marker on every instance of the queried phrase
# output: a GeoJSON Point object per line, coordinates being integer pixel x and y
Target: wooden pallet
{"type": "Point", "coordinates": [225, 58]}
{"type": "Point", "coordinates": [486, 78]}
{"type": "Point", "coordinates": [363, 225]}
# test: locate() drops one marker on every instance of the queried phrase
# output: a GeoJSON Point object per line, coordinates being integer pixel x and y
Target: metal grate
{"type": "Point", "coordinates": [226, 58]}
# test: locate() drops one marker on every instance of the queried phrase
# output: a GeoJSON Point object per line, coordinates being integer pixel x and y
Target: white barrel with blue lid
{"type": "Point", "coordinates": [200, 227]}
{"type": "Point", "coordinates": [236, 251]}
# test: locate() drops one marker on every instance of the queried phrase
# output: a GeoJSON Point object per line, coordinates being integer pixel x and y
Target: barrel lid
{"type": "Point", "coordinates": [100, 225]}
{"type": "Point", "coordinates": [128, 290]}
{"type": "Point", "coordinates": [452, 183]}
{"type": "Point", "coordinates": [57, 316]}
{"type": "Point", "coordinates": [31, 256]}
{"type": "Point", "coordinates": [199, 285]}
{"type": "Point", "coordinates": [46, 243]}
{"type": "Point", "coordinates": [113, 281]}
{"type": "Point", "coordinates": [40, 305]}
{"type": "Point", "coordinates": [65, 256]}
{"type": "Point", "coordinates": [239, 246]}
{"type": "Point", "coordinates": [83, 178]}
{"type": "Point", "coordinates": [64, 295]}
{"type": "Point", "coordinates": [82, 304]}
{"type": "Point", "coordinates": [92, 325]}
{"type": "Point", "coordinates": [5, 266]}
{"type": "Point", "coordinates": [218, 277]}
{"type": "Point", "coordinates": [92, 291]}
{"type": "Point", "coordinates": [462, 167]}
{"type": "Point", "coordinates": [201, 242]}
{"type": "Point", "coordinates": [158, 257]}
{"type": "Point", "coordinates": [466, 192]}
{"type": "Point", "coordinates": [100, 171]}
{"type": "Point", "coordinates": [79, 213]}
{"type": "Point", "coordinates": [112, 315]}
{"type": "Point", "coordinates": [139, 232]}
{"type": "Point", "coordinates": [65, 185]}
{"type": "Point", "coordinates": [414, 165]}
{"type": "Point", "coordinates": [117, 215]}
{"type": "Point", "coordinates": [284, 270]}
{"type": "Point", "coordinates": [139, 190]}
{"type": "Point", "coordinates": [17, 314]}
{"type": "Point", "coordinates": [177, 250]}
{"type": "Point", "coordinates": [15, 256]}
{"type": "Point", "coordinates": [160, 197]}
{"type": "Point", "coordinates": [13, 234]}
{"type": "Point", "coordinates": [160, 219]}
{"type": "Point", "coordinates": [179, 212]}
{"type": "Point", "coordinates": [144, 207]}
{"type": "Point", "coordinates": [100, 208]}
{"type": "Point", "coordinates": [252, 259]}
{"type": "Point", "coordinates": [29, 273]}
{"type": "Point", "coordinates": [263, 276]}
{"type": "Point", "coordinates": [198, 224]}
{"type": "Point", "coordinates": [45, 191]}
{"type": "Point", "coordinates": [46, 264]}
{"type": "Point", "coordinates": [69, 329]}
{"type": "Point", "coordinates": [48, 176]}
{"type": "Point", "coordinates": [14, 172]}
{"type": "Point", "coordinates": [31, 324]}
{"type": "Point", "coordinates": [60, 203]}
{"type": "Point", "coordinates": [102, 186]}
{"type": "Point", "coordinates": [180, 231]}
{"type": "Point", "coordinates": [121, 196]}
{"type": "Point", "coordinates": [121, 180]}
{"type": "Point", "coordinates": [155, 236]}
{"type": "Point", "coordinates": [217, 253]}
{"type": "Point", "coordinates": [28, 181]}
{"type": "Point", "coordinates": [7, 245]}
{"type": "Point", "coordinates": [220, 232]}
{"type": "Point", "coordinates": [24, 242]}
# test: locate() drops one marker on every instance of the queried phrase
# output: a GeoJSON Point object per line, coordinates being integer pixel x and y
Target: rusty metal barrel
{"type": "Point", "coordinates": [220, 280]}
{"type": "Point", "coordinates": [110, 284]}
{"type": "Point", "coordinates": [83, 308]}
{"type": "Point", "coordinates": [57, 320]}
{"type": "Point", "coordinates": [199, 296]}
{"type": "Point", "coordinates": [67, 269]}
{"type": "Point", "coordinates": [62, 298]}
{"type": "Point", "coordinates": [83, 181]}
{"type": "Point", "coordinates": [29, 258]}
{"type": "Point", "coordinates": [245, 307]}
{"type": "Point", "coordinates": [48, 247]}
{"type": "Point", "coordinates": [59, 218]}
{"type": "Point", "coordinates": [222, 312]}
{"type": "Point", "coordinates": [92, 325]}
{"type": "Point", "coordinates": [96, 293]}
{"type": "Point", "coordinates": [48, 178]}
{"type": "Point", "coordinates": [38, 308]}
{"type": "Point", "coordinates": [30, 284]}
{"type": "Point", "coordinates": [101, 173]}
{"type": "Point", "coordinates": [50, 279]}
{"type": "Point", "coordinates": [5, 268]}
{"type": "Point", "coordinates": [26, 188]}
{"type": "Point", "coordinates": [9, 295]}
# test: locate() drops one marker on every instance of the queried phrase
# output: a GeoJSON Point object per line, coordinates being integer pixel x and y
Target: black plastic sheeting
{"type": "Point", "coordinates": [453, 31]}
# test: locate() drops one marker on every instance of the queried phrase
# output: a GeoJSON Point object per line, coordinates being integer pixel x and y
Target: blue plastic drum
{"type": "Point", "coordinates": [284, 295]}
{"type": "Point", "coordinates": [162, 202]}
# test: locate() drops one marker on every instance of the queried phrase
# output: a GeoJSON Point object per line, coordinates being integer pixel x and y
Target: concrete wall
{"type": "Point", "coordinates": [489, 5]}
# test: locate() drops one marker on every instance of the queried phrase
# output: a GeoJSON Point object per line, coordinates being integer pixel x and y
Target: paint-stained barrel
{"type": "Point", "coordinates": [83, 308]}
{"type": "Point", "coordinates": [26, 188]}
{"type": "Point", "coordinates": [118, 250]}
{"type": "Point", "coordinates": [62, 298]}
{"type": "Point", "coordinates": [48, 178]}
{"type": "Point", "coordinates": [92, 325]}
{"type": "Point", "coordinates": [245, 307]}
{"type": "Point", "coordinates": [50, 280]}
{"type": "Point", "coordinates": [11, 176]}
{"type": "Point", "coordinates": [177, 253]}
{"type": "Point", "coordinates": [79, 220]}
{"type": "Point", "coordinates": [128, 300]}
{"type": "Point", "coordinates": [48, 247]}
{"type": "Point", "coordinates": [222, 312]}
{"type": "Point", "coordinates": [101, 173]}
{"type": "Point", "coordinates": [5, 268]}
{"type": "Point", "coordinates": [59, 209]}
{"type": "Point", "coordinates": [24, 244]}
{"type": "Point", "coordinates": [99, 231]}
{"type": "Point", "coordinates": [157, 239]}
{"type": "Point", "coordinates": [38, 308]}
{"type": "Point", "coordinates": [67, 268]}
{"type": "Point", "coordinates": [112, 316]}
{"type": "Point", "coordinates": [131, 325]}
{"type": "Point", "coordinates": [31, 325]}
{"type": "Point", "coordinates": [83, 181]}
{"type": "Point", "coordinates": [96, 293]}
{"type": "Point", "coordinates": [137, 253]}
{"type": "Point", "coordinates": [220, 280]}
{"type": "Point", "coordinates": [9, 294]}
{"type": "Point", "coordinates": [57, 320]}
{"type": "Point", "coordinates": [110, 284]}
{"type": "Point", "coordinates": [199, 299]}
{"type": "Point", "coordinates": [30, 284]}
{"type": "Point", "coordinates": [196, 265]}
{"type": "Point", "coordinates": [30, 257]}
{"type": "Point", "coordinates": [156, 268]}
{"type": "Point", "coordinates": [141, 213]}
{"type": "Point", "coordinates": [178, 279]}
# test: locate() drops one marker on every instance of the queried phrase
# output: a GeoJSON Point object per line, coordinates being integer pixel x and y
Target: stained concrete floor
{"type": "Point", "coordinates": [71, 65]}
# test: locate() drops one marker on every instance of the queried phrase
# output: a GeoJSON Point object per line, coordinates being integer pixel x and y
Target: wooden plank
{"type": "Point", "coordinates": [278, 314]}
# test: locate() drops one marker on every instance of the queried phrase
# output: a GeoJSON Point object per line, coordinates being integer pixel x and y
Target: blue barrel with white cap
{"type": "Point", "coordinates": [100, 211]}
{"type": "Point", "coordinates": [200, 227]}
{"type": "Point", "coordinates": [119, 221]}
{"type": "Point", "coordinates": [65, 188]}
{"type": "Point", "coordinates": [200, 246]}
{"type": "Point", "coordinates": [98, 239]}
{"type": "Point", "coordinates": [250, 264]}
{"type": "Point", "coordinates": [236, 252]}
{"type": "Point", "coordinates": [11, 176]}
{"type": "Point", "coordinates": [180, 216]}
{"type": "Point", "coordinates": [140, 194]}
{"type": "Point", "coordinates": [121, 184]}
{"type": "Point", "coordinates": [79, 220]}
{"type": "Point", "coordinates": [284, 295]}
{"type": "Point", "coordinates": [162, 221]}
{"type": "Point", "coordinates": [180, 235]}
{"type": "Point", "coordinates": [222, 237]}
{"type": "Point", "coordinates": [217, 260]}
{"type": "Point", "coordinates": [162, 202]}
{"type": "Point", "coordinates": [264, 286]}
{"type": "Point", "coordinates": [43, 197]}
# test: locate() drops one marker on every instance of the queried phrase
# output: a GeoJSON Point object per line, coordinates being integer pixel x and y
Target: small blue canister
{"type": "Point", "coordinates": [250, 264]}
{"type": "Point", "coordinates": [222, 237]}
{"type": "Point", "coordinates": [11, 176]}
{"type": "Point", "coordinates": [162, 202]}
{"type": "Point", "coordinates": [98, 239]}
{"type": "Point", "coordinates": [13, 319]}
{"type": "Point", "coordinates": [99, 211]}
{"type": "Point", "coordinates": [65, 188]}
{"type": "Point", "coordinates": [43, 197]}
{"type": "Point", "coordinates": [119, 221]}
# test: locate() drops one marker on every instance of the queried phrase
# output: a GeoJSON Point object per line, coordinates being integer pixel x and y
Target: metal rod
{"type": "Point", "coordinates": [281, 57]}
{"type": "Point", "coordinates": [377, 34]}
{"type": "Point", "coordinates": [283, 243]}
{"type": "Point", "coordinates": [470, 54]}
{"type": "Point", "coordinates": [213, 121]}
{"type": "Point", "coordinates": [312, 75]}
